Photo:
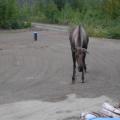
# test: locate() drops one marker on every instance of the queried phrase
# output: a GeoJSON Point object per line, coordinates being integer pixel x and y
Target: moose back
{"type": "Point", "coordinates": [79, 44]}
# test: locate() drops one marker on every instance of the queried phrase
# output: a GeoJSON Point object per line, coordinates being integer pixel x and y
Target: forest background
{"type": "Point", "coordinates": [101, 18]}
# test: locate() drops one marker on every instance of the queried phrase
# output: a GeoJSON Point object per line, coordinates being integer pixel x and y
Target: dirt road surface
{"type": "Point", "coordinates": [35, 76]}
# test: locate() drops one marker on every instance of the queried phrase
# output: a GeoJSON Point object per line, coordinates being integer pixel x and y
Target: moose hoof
{"type": "Point", "coordinates": [83, 81]}
{"type": "Point", "coordinates": [73, 80]}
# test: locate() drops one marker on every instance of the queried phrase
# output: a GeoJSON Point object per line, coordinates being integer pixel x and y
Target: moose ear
{"type": "Point", "coordinates": [87, 52]}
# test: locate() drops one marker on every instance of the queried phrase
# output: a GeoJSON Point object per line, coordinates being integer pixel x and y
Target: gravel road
{"type": "Point", "coordinates": [41, 70]}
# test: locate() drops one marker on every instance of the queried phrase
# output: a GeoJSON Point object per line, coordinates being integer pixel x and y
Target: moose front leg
{"type": "Point", "coordinates": [74, 67]}
{"type": "Point", "coordinates": [83, 76]}
{"type": "Point", "coordinates": [85, 67]}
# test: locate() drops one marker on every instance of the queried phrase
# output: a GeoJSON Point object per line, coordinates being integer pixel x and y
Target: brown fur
{"type": "Point", "coordinates": [79, 43]}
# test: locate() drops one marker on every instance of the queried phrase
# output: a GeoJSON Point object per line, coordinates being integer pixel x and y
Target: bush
{"type": "Point", "coordinates": [10, 15]}
{"type": "Point", "coordinates": [114, 31]}
{"type": "Point", "coordinates": [20, 25]}
{"type": "Point", "coordinates": [66, 16]}
{"type": "Point", "coordinates": [51, 12]}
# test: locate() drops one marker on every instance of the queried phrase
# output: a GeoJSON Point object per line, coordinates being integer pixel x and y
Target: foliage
{"type": "Point", "coordinates": [8, 12]}
{"type": "Point", "coordinates": [10, 15]}
{"type": "Point", "coordinates": [51, 12]}
{"type": "Point", "coordinates": [100, 17]}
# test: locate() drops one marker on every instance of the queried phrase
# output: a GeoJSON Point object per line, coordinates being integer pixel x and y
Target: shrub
{"type": "Point", "coordinates": [10, 15]}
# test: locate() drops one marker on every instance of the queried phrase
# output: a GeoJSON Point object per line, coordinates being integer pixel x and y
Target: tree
{"type": "Point", "coordinates": [112, 8]}
{"type": "Point", "coordinates": [8, 13]}
{"type": "Point", "coordinates": [51, 12]}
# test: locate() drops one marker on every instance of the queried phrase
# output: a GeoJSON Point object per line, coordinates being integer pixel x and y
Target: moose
{"type": "Point", "coordinates": [79, 43]}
